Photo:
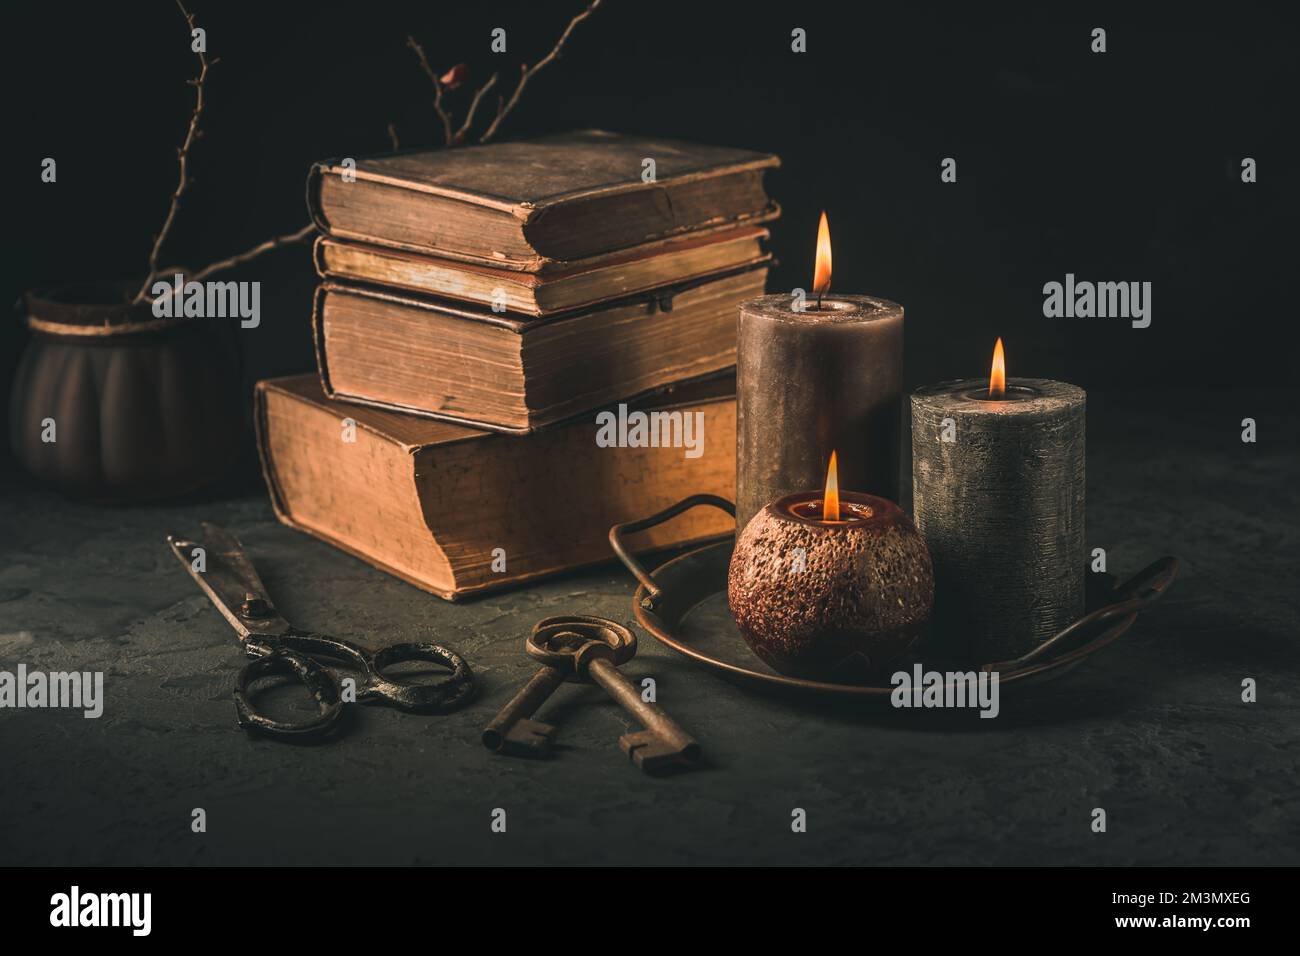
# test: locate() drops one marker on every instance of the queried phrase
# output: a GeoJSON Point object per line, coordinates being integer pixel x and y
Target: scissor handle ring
{"type": "Point", "coordinates": [438, 697]}
{"type": "Point", "coordinates": [322, 685]}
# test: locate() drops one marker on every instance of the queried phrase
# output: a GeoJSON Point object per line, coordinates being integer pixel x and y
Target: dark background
{"type": "Point", "coordinates": [1122, 166]}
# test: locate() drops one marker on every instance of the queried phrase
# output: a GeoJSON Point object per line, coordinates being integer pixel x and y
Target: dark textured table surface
{"type": "Point", "coordinates": [1154, 730]}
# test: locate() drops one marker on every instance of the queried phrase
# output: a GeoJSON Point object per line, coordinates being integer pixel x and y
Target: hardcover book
{"type": "Point", "coordinates": [458, 511]}
{"type": "Point", "coordinates": [551, 290]}
{"type": "Point", "coordinates": [514, 373]}
{"type": "Point", "coordinates": [526, 205]}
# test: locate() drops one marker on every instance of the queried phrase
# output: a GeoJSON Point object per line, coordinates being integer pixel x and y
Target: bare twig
{"type": "Point", "coordinates": [473, 108]}
{"type": "Point", "coordinates": [437, 89]}
{"type": "Point", "coordinates": [193, 133]}
{"type": "Point", "coordinates": [527, 72]}
{"type": "Point", "coordinates": [183, 154]}
{"type": "Point", "coordinates": [287, 239]}
{"type": "Point", "coordinates": [253, 253]}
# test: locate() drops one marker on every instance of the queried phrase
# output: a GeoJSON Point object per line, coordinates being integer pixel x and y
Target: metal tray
{"type": "Point", "coordinates": [683, 604]}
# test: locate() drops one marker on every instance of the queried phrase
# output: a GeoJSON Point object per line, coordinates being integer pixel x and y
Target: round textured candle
{"type": "Point", "coordinates": [807, 383]}
{"type": "Point", "coordinates": [997, 493]}
{"type": "Point", "coordinates": [830, 599]}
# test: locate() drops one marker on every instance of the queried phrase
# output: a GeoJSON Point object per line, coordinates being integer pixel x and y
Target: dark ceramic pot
{"type": "Point", "coordinates": [139, 408]}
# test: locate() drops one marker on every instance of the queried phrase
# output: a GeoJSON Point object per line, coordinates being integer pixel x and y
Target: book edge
{"type": "Point", "coordinates": [413, 299]}
{"type": "Point", "coordinates": [522, 323]}
{"type": "Point", "coordinates": [530, 264]}
{"type": "Point", "coordinates": [455, 593]}
{"type": "Point", "coordinates": [701, 238]}
{"type": "Point", "coordinates": [263, 452]}
{"type": "Point", "coordinates": [486, 587]}
{"type": "Point", "coordinates": [526, 210]}
{"type": "Point", "coordinates": [544, 425]}
{"type": "Point", "coordinates": [285, 516]}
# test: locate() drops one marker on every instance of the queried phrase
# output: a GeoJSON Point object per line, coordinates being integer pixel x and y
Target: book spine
{"type": "Point", "coordinates": [262, 437]}
{"type": "Point", "coordinates": [318, 338]}
{"type": "Point", "coordinates": [313, 195]}
{"type": "Point", "coordinates": [284, 514]}
{"type": "Point", "coordinates": [318, 256]}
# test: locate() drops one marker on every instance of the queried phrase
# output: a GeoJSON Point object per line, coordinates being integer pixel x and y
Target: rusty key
{"type": "Point", "coordinates": [512, 731]}
{"type": "Point", "coordinates": [662, 746]}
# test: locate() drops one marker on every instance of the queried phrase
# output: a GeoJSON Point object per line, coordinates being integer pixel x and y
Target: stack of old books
{"type": "Point", "coordinates": [489, 323]}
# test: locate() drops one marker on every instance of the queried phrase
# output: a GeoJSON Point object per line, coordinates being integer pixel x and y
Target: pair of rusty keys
{"type": "Point", "coordinates": [588, 649]}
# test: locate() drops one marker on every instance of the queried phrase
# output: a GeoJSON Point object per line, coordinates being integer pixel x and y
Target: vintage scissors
{"type": "Point", "coordinates": [228, 578]}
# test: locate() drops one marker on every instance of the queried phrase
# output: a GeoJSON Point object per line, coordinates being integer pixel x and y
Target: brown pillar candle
{"type": "Point", "coordinates": [998, 495]}
{"type": "Point", "coordinates": [816, 375]}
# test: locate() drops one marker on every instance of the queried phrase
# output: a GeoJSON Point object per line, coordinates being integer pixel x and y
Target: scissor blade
{"type": "Point", "coordinates": [218, 564]}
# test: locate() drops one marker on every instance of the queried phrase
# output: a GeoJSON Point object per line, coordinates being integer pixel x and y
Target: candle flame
{"type": "Point", "coordinates": [998, 377]}
{"type": "Point", "coordinates": [822, 272]}
{"type": "Point", "coordinates": [831, 497]}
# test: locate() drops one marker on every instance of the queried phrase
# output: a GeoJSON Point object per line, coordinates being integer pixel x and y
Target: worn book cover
{"type": "Point", "coordinates": [550, 291]}
{"type": "Point", "coordinates": [525, 205]}
{"type": "Point", "coordinates": [458, 511]}
{"type": "Point", "coordinates": [514, 373]}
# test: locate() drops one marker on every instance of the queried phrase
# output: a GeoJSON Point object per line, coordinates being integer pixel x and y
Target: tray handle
{"type": "Point", "coordinates": [1139, 591]}
{"type": "Point", "coordinates": [617, 533]}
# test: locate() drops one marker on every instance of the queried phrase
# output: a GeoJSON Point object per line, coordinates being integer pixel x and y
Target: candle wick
{"type": "Point", "coordinates": [819, 301]}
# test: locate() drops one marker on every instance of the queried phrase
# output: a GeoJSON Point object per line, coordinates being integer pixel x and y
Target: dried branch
{"type": "Point", "coordinates": [230, 263]}
{"type": "Point", "coordinates": [527, 72]}
{"type": "Point", "coordinates": [437, 89]}
{"type": "Point", "coordinates": [287, 239]}
{"type": "Point", "coordinates": [473, 108]}
{"type": "Point", "coordinates": [183, 154]}
{"type": "Point", "coordinates": [193, 133]}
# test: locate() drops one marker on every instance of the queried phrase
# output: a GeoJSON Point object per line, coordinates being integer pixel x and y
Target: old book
{"type": "Point", "coordinates": [524, 205]}
{"type": "Point", "coordinates": [510, 373]}
{"type": "Point", "coordinates": [554, 289]}
{"type": "Point", "coordinates": [458, 511]}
